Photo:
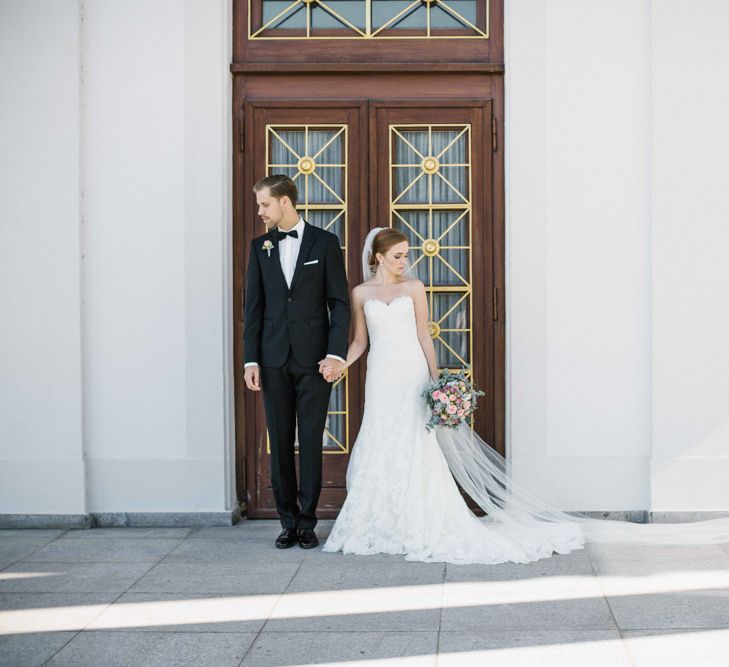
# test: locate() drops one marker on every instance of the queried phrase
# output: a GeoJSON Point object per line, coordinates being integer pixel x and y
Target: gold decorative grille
{"type": "Point", "coordinates": [315, 157]}
{"type": "Point", "coordinates": [369, 19]}
{"type": "Point", "coordinates": [430, 201]}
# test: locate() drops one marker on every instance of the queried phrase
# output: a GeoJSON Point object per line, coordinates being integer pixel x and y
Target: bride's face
{"type": "Point", "coordinates": [396, 258]}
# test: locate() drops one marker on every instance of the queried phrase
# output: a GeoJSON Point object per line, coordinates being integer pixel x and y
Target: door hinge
{"type": "Point", "coordinates": [494, 134]}
{"type": "Point", "coordinates": [496, 304]}
{"type": "Point", "coordinates": [242, 134]}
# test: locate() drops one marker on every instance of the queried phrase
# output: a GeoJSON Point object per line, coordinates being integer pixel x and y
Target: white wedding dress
{"type": "Point", "coordinates": [401, 495]}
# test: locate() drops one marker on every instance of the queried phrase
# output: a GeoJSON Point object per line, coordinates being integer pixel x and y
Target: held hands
{"type": "Point", "coordinates": [331, 369]}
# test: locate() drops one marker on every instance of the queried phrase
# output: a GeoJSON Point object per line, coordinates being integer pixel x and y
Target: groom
{"type": "Point", "coordinates": [295, 271]}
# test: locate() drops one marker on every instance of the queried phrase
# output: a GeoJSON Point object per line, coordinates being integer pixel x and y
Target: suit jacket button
{"type": "Point", "coordinates": [289, 299]}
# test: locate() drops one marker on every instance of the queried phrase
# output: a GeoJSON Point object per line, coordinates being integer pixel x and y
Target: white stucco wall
{"type": "Point", "coordinates": [41, 416]}
{"type": "Point", "coordinates": [116, 360]}
{"type": "Point", "coordinates": [156, 230]}
{"type": "Point", "coordinates": [616, 253]}
{"type": "Point", "coordinates": [119, 126]}
{"type": "Point", "coordinates": [690, 250]}
{"type": "Point", "coordinates": [578, 230]}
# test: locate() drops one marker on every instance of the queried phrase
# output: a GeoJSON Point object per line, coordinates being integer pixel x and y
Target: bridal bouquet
{"type": "Point", "coordinates": [451, 399]}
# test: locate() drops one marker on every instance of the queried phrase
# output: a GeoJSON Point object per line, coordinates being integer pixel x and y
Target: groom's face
{"type": "Point", "coordinates": [269, 208]}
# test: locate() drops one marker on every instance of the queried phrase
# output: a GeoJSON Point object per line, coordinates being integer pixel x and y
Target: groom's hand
{"type": "Point", "coordinates": [252, 376]}
{"type": "Point", "coordinates": [325, 369]}
{"type": "Point", "coordinates": [331, 369]}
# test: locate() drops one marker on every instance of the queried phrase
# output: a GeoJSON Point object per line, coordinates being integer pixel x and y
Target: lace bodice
{"type": "Point", "coordinates": [396, 366]}
{"type": "Point", "coordinates": [391, 326]}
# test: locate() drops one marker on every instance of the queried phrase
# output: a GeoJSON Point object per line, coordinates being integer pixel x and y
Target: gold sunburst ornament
{"type": "Point", "coordinates": [430, 164]}
{"type": "Point", "coordinates": [431, 247]}
{"type": "Point", "coordinates": [306, 165]}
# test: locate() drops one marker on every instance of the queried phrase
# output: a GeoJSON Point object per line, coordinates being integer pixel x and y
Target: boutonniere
{"type": "Point", "coordinates": [267, 246]}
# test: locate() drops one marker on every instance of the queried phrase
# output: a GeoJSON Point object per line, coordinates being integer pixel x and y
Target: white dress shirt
{"type": "Point", "coordinates": [288, 250]}
{"type": "Point", "coordinates": [288, 253]}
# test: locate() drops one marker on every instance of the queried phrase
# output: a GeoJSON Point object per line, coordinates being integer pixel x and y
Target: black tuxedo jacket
{"type": "Point", "coordinates": [279, 318]}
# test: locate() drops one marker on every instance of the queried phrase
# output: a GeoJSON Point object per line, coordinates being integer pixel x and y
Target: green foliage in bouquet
{"type": "Point", "coordinates": [451, 398]}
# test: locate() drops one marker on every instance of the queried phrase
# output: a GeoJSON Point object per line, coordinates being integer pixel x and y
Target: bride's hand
{"type": "Point", "coordinates": [327, 370]}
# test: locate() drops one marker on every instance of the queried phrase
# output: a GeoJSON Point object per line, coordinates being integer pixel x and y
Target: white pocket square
{"type": "Point", "coordinates": [313, 261]}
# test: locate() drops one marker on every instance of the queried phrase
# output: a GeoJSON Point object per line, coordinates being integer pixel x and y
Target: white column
{"type": "Point", "coordinates": [157, 233]}
{"type": "Point", "coordinates": [690, 465]}
{"type": "Point", "coordinates": [578, 245]}
{"type": "Point", "coordinates": [41, 434]}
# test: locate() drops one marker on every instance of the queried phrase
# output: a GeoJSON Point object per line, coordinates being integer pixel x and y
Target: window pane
{"type": "Point", "coordinates": [412, 14]}
{"type": "Point", "coordinates": [416, 18]}
{"type": "Point", "coordinates": [294, 18]}
{"type": "Point", "coordinates": [327, 16]}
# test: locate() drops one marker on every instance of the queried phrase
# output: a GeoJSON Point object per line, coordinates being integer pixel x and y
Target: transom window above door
{"type": "Point", "coordinates": [368, 19]}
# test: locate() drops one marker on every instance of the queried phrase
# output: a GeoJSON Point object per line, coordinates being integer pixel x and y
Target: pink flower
{"type": "Point", "coordinates": [452, 398]}
{"type": "Point", "coordinates": [461, 413]}
{"type": "Point", "coordinates": [452, 409]}
{"type": "Point", "coordinates": [435, 394]}
{"type": "Point", "coordinates": [467, 405]}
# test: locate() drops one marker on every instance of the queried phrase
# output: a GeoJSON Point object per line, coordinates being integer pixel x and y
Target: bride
{"type": "Point", "coordinates": [402, 496]}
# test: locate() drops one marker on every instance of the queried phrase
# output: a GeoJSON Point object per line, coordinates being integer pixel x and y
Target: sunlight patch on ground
{"type": "Point", "coordinates": [222, 609]}
{"type": "Point", "coordinates": [9, 576]}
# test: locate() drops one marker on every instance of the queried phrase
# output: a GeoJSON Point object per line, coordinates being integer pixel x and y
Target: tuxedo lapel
{"type": "Point", "coordinates": [306, 242]}
{"type": "Point", "coordinates": [275, 259]}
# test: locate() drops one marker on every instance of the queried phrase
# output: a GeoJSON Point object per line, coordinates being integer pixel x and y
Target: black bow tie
{"type": "Point", "coordinates": [282, 235]}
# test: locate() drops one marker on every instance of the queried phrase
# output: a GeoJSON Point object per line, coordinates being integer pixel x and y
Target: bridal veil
{"type": "Point", "coordinates": [487, 478]}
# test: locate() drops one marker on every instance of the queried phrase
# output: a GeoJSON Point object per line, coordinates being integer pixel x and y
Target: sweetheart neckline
{"type": "Point", "coordinates": [388, 303]}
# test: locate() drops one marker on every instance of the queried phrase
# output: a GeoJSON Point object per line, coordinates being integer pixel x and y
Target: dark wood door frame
{"type": "Point", "coordinates": [247, 411]}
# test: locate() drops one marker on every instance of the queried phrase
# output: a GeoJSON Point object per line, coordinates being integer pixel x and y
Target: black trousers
{"type": "Point", "coordinates": [290, 392]}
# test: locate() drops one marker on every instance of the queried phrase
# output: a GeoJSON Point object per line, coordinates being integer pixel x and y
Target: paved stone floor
{"type": "Point", "coordinates": [225, 596]}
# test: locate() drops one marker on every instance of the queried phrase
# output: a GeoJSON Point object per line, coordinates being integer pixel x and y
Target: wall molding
{"type": "Point", "coordinates": [121, 520]}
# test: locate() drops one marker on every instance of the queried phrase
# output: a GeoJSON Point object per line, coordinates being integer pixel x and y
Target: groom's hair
{"type": "Point", "coordinates": [279, 185]}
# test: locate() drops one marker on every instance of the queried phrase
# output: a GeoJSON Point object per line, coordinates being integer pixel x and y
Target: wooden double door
{"type": "Point", "coordinates": [423, 167]}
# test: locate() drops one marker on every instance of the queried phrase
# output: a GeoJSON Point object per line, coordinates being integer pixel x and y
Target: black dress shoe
{"type": "Point", "coordinates": [307, 538]}
{"type": "Point", "coordinates": [286, 539]}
